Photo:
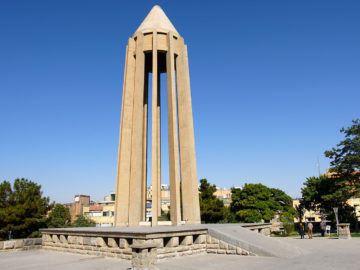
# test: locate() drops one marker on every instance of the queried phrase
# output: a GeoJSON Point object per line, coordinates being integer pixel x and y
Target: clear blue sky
{"type": "Point", "coordinates": [272, 83]}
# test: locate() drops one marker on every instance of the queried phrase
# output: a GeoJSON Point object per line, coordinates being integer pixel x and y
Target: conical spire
{"type": "Point", "coordinates": [157, 19]}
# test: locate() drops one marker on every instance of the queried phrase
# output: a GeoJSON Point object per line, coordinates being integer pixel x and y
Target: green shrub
{"type": "Point", "coordinates": [288, 227]}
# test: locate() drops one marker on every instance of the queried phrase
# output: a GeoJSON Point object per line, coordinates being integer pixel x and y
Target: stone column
{"type": "Point", "coordinates": [137, 137]}
{"type": "Point", "coordinates": [145, 137]}
{"type": "Point", "coordinates": [175, 214]}
{"type": "Point", "coordinates": [154, 135]}
{"type": "Point", "coordinates": [124, 153]}
{"type": "Point", "coordinates": [189, 187]}
{"type": "Point", "coordinates": [158, 112]}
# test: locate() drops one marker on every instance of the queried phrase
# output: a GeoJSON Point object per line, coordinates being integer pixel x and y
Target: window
{"type": "Point", "coordinates": [106, 214]}
{"type": "Point", "coordinates": [112, 213]}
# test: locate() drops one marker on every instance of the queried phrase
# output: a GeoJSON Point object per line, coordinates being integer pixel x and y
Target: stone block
{"type": "Point", "coordinates": [165, 256]}
{"type": "Point", "coordinates": [238, 251]}
{"type": "Point", "coordinates": [144, 258]}
{"type": "Point", "coordinates": [19, 243]}
{"type": "Point", "coordinates": [1, 244]}
{"type": "Point", "coordinates": [9, 244]}
{"type": "Point", "coordinates": [187, 240]}
{"type": "Point", "coordinates": [46, 238]}
{"type": "Point", "coordinates": [221, 251]}
{"type": "Point", "coordinates": [200, 239]}
{"type": "Point", "coordinates": [148, 243]}
{"type": "Point", "coordinates": [37, 241]}
{"type": "Point", "coordinates": [231, 247]}
{"type": "Point", "coordinates": [55, 238]}
{"type": "Point", "coordinates": [213, 246]}
{"type": "Point", "coordinates": [245, 252]}
{"type": "Point", "coordinates": [86, 241]}
{"type": "Point", "coordinates": [231, 252]}
{"type": "Point", "coordinates": [123, 243]}
{"type": "Point", "coordinates": [183, 248]}
{"type": "Point", "coordinates": [172, 242]}
{"type": "Point", "coordinates": [223, 245]}
{"type": "Point", "coordinates": [185, 253]}
{"type": "Point", "coordinates": [79, 240]}
{"type": "Point", "coordinates": [63, 239]}
{"type": "Point", "coordinates": [71, 239]}
{"type": "Point", "coordinates": [112, 242]}
{"type": "Point", "coordinates": [98, 241]}
{"type": "Point", "coordinates": [29, 242]}
{"type": "Point", "coordinates": [211, 240]}
{"type": "Point", "coordinates": [211, 250]}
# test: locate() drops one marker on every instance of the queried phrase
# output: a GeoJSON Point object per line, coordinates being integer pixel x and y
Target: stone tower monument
{"type": "Point", "coordinates": [156, 47]}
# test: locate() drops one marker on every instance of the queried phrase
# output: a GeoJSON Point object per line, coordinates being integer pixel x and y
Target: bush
{"type": "Point", "coordinates": [288, 227]}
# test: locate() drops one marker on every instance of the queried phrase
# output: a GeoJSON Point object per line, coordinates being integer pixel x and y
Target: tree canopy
{"type": "Point", "coordinates": [59, 217]}
{"type": "Point", "coordinates": [256, 203]}
{"type": "Point", "coordinates": [22, 208]}
{"type": "Point", "coordinates": [82, 221]}
{"type": "Point", "coordinates": [211, 208]}
{"type": "Point", "coordinates": [345, 161]}
{"type": "Point", "coordinates": [336, 188]}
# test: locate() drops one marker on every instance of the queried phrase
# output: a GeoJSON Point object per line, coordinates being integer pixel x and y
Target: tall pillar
{"type": "Point", "coordinates": [189, 188]}
{"type": "Point", "coordinates": [175, 214]}
{"type": "Point", "coordinates": [145, 139]}
{"type": "Point", "coordinates": [154, 134]}
{"type": "Point", "coordinates": [137, 137]}
{"type": "Point", "coordinates": [158, 121]}
{"type": "Point", "coordinates": [124, 153]}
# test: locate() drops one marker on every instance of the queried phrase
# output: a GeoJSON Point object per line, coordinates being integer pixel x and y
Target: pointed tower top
{"type": "Point", "coordinates": [157, 19]}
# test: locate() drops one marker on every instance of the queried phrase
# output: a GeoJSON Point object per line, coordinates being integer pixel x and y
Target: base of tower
{"type": "Point", "coordinates": [145, 245]}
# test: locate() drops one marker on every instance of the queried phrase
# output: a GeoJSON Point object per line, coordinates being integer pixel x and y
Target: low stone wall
{"type": "Point", "coordinates": [127, 248]}
{"type": "Point", "coordinates": [262, 228]}
{"type": "Point", "coordinates": [20, 244]}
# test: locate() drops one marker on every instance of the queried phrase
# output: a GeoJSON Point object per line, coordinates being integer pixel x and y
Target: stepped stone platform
{"type": "Point", "coordinates": [168, 241]}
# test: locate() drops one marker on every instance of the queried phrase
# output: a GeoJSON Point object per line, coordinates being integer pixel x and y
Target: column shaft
{"type": "Point", "coordinates": [154, 135]}
{"type": "Point", "coordinates": [137, 137]}
{"type": "Point", "coordinates": [124, 153]}
{"type": "Point", "coordinates": [158, 111]}
{"type": "Point", "coordinates": [172, 133]}
{"type": "Point", "coordinates": [145, 134]}
{"type": "Point", "coordinates": [189, 188]}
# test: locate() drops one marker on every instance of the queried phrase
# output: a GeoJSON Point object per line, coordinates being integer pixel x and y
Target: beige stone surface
{"type": "Point", "coordinates": [158, 38]}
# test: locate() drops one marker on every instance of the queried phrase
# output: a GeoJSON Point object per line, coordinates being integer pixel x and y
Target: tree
{"type": "Point", "coordinates": [59, 217]}
{"type": "Point", "coordinates": [345, 163]}
{"type": "Point", "coordinates": [22, 208]}
{"type": "Point", "coordinates": [256, 203]}
{"type": "Point", "coordinates": [82, 221]}
{"type": "Point", "coordinates": [325, 193]}
{"type": "Point", "coordinates": [211, 208]}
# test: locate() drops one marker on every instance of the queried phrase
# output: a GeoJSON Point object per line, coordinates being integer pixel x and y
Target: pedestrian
{"type": "Point", "coordinates": [301, 230]}
{"type": "Point", "coordinates": [310, 230]}
{"type": "Point", "coordinates": [323, 227]}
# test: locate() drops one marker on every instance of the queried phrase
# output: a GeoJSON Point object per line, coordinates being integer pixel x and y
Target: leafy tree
{"type": "Point", "coordinates": [82, 221]}
{"type": "Point", "coordinates": [345, 161]}
{"type": "Point", "coordinates": [59, 217]}
{"type": "Point", "coordinates": [325, 193]}
{"type": "Point", "coordinates": [211, 208]}
{"type": "Point", "coordinates": [22, 208]}
{"type": "Point", "coordinates": [256, 203]}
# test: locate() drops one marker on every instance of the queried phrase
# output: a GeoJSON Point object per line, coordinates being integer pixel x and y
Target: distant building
{"type": "Point", "coordinates": [224, 195]}
{"type": "Point", "coordinates": [102, 212]}
{"type": "Point", "coordinates": [76, 207]}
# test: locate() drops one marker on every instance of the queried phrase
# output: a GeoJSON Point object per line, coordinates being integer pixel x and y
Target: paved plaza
{"type": "Point", "coordinates": [319, 253]}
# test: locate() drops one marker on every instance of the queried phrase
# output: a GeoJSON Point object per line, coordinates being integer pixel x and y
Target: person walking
{"type": "Point", "coordinates": [323, 228]}
{"type": "Point", "coordinates": [301, 230]}
{"type": "Point", "coordinates": [310, 230]}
